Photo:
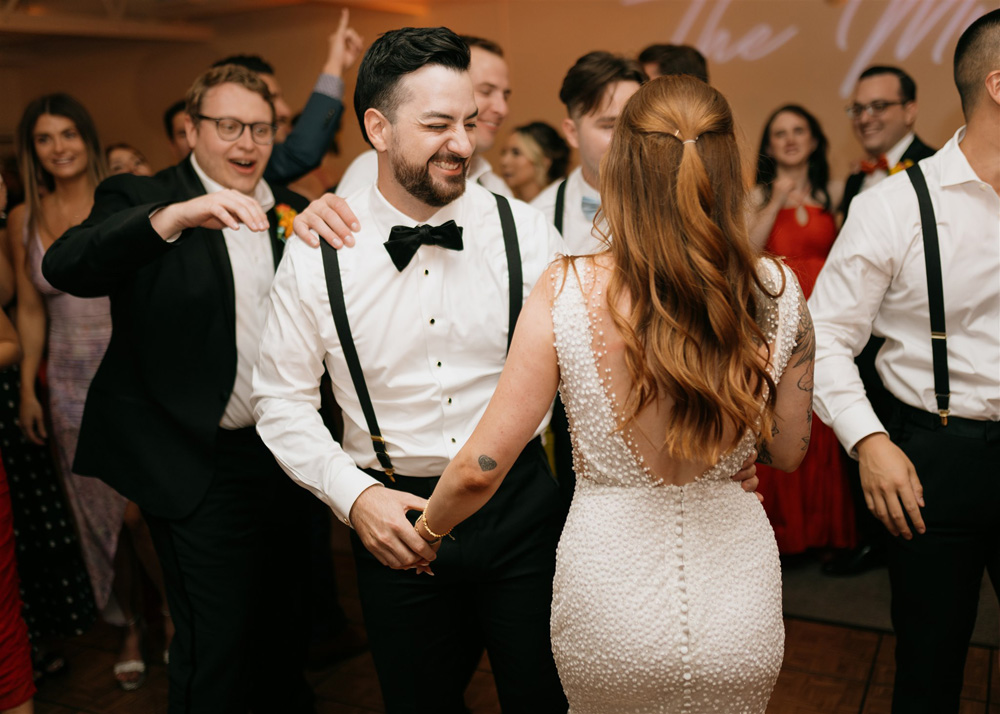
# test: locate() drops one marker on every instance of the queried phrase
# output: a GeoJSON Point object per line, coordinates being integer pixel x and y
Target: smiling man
{"type": "Point", "coordinates": [883, 112]}
{"type": "Point", "coordinates": [426, 298]}
{"type": "Point", "coordinates": [491, 84]}
{"type": "Point", "coordinates": [594, 91]}
{"type": "Point", "coordinates": [187, 258]}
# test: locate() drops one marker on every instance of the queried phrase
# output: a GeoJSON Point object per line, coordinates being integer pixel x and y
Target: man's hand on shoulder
{"type": "Point", "coordinates": [215, 211]}
{"type": "Point", "coordinates": [892, 489]}
{"type": "Point", "coordinates": [330, 218]}
{"type": "Point", "coordinates": [379, 518]}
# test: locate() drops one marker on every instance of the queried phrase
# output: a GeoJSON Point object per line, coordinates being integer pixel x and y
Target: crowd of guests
{"type": "Point", "coordinates": [180, 501]}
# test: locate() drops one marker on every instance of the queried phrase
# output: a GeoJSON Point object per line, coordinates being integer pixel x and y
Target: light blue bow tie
{"type": "Point", "coordinates": [589, 206]}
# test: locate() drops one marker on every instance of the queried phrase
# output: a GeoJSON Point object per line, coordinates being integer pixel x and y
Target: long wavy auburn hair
{"type": "Point", "coordinates": [685, 291]}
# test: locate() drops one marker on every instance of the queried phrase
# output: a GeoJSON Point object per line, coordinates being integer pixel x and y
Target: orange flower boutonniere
{"type": "Point", "coordinates": [286, 214]}
{"type": "Point", "coordinates": [901, 166]}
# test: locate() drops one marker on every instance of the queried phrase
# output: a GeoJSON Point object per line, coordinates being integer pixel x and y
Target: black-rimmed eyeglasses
{"type": "Point", "coordinates": [232, 129]}
{"type": "Point", "coordinates": [873, 109]}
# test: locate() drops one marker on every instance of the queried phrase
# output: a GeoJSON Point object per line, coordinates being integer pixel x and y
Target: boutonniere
{"type": "Point", "coordinates": [286, 215]}
{"type": "Point", "coordinates": [901, 166]}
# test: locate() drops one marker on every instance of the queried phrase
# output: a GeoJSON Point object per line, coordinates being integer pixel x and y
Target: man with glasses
{"type": "Point", "coordinates": [882, 112]}
{"type": "Point", "coordinates": [187, 258]}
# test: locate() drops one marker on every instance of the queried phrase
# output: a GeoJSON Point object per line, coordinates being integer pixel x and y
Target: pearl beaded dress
{"type": "Point", "coordinates": [666, 598]}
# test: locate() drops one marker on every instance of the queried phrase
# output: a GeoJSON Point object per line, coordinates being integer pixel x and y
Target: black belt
{"type": "Point", "coordinates": [957, 426]}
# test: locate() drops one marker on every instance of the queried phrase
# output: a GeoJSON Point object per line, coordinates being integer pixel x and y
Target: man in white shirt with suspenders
{"type": "Point", "coordinates": [918, 263]}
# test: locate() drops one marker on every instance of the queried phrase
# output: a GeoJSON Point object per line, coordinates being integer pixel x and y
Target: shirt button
{"type": "Point", "coordinates": [427, 272]}
{"type": "Point", "coordinates": [453, 439]}
{"type": "Point", "coordinates": [432, 320]}
{"type": "Point", "coordinates": [449, 400]}
{"type": "Point", "coordinates": [439, 364]}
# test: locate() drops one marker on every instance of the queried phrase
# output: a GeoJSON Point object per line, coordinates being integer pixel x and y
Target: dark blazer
{"type": "Point", "coordinates": [154, 406]}
{"type": "Point", "coordinates": [916, 151]}
{"type": "Point", "coordinates": [305, 146]}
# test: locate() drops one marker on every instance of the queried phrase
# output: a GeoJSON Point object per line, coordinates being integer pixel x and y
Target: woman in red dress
{"type": "Point", "coordinates": [810, 507]}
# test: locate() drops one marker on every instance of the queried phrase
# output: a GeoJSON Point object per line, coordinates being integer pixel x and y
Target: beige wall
{"type": "Point", "coordinates": [762, 53]}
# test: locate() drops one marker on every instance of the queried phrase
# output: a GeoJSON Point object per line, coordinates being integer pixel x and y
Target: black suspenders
{"type": "Point", "coordinates": [557, 217]}
{"type": "Point", "coordinates": [935, 291]}
{"type": "Point", "coordinates": [335, 288]}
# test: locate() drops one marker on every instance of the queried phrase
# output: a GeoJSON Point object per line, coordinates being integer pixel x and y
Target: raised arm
{"type": "Point", "coordinates": [305, 146]}
{"type": "Point", "coordinates": [523, 395]}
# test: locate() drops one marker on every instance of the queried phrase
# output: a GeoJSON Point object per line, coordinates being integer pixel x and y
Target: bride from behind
{"type": "Point", "coordinates": [676, 351]}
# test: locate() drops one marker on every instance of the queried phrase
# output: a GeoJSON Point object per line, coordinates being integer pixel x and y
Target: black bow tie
{"type": "Point", "coordinates": [404, 241]}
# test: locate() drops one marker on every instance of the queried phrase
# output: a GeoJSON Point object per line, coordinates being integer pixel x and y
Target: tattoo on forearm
{"type": "Point", "coordinates": [486, 463]}
{"type": "Point", "coordinates": [805, 343]}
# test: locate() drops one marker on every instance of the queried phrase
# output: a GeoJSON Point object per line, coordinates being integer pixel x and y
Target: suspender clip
{"type": "Point", "coordinates": [938, 336]}
{"type": "Point", "coordinates": [943, 413]}
{"type": "Point", "coordinates": [378, 443]}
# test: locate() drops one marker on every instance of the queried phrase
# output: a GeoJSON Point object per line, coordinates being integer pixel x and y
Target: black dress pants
{"type": "Point", "coordinates": [235, 570]}
{"type": "Point", "coordinates": [936, 576]}
{"type": "Point", "coordinates": [492, 587]}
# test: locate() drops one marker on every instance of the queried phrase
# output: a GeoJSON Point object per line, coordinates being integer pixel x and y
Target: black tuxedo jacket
{"type": "Point", "coordinates": [916, 151]}
{"type": "Point", "coordinates": [153, 409]}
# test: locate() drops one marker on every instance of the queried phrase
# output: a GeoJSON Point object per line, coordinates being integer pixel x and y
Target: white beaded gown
{"type": "Point", "coordinates": [666, 598]}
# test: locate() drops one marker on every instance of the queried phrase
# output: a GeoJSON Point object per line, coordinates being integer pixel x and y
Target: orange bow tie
{"type": "Point", "coordinates": [870, 167]}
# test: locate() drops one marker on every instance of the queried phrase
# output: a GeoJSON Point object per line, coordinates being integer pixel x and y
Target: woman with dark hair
{"type": "Point", "coordinates": [676, 351]}
{"type": "Point", "coordinates": [533, 157]}
{"type": "Point", "coordinates": [61, 164]}
{"type": "Point", "coordinates": [124, 158]}
{"type": "Point", "coordinates": [810, 507]}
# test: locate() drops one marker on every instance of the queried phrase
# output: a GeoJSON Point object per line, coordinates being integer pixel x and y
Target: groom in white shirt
{"type": "Point", "coordinates": [428, 313]}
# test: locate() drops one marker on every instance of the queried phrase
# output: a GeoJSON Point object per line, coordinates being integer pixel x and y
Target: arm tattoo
{"type": "Point", "coordinates": [486, 463]}
{"type": "Point", "coordinates": [804, 351]}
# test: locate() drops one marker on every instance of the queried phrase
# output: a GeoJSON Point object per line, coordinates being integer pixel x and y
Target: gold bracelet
{"type": "Point", "coordinates": [432, 534]}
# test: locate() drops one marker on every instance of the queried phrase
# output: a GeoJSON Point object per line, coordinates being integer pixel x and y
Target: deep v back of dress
{"type": "Point", "coordinates": [666, 598]}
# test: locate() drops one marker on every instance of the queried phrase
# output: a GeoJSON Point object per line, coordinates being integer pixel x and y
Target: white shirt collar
{"type": "Point", "coordinates": [955, 167]}
{"type": "Point", "coordinates": [385, 215]}
{"type": "Point", "coordinates": [477, 167]}
{"type": "Point", "coordinates": [894, 155]}
{"type": "Point", "coordinates": [261, 193]}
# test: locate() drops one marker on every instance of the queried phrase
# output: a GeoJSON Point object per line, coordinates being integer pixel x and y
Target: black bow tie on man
{"type": "Point", "coordinates": [404, 241]}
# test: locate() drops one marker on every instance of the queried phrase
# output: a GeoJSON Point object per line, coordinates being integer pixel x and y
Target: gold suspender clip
{"type": "Point", "coordinates": [938, 335]}
{"type": "Point", "coordinates": [388, 471]}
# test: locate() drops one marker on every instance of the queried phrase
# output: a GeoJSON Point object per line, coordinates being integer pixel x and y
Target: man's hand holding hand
{"type": "Point", "coordinates": [379, 518]}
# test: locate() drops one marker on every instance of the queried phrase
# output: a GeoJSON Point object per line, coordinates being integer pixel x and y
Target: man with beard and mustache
{"type": "Point", "coordinates": [415, 352]}
{"type": "Point", "coordinates": [491, 83]}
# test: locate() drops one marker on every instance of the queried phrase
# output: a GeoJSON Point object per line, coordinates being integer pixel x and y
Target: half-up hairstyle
{"type": "Point", "coordinates": [674, 198]}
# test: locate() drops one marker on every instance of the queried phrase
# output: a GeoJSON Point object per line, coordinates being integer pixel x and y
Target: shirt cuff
{"type": "Point", "coordinates": [330, 86]}
{"type": "Point", "coordinates": [168, 239]}
{"type": "Point", "coordinates": [854, 424]}
{"type": "Point", "coordinates": [347, 486]}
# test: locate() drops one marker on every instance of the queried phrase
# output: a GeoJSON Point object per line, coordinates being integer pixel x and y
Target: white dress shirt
{"type": "Point", "coordinates": [364, 170]}
{"type": "Point", "coordinates": [892, 157]}
{"type": "Point", "coordinates": [875, 281]}
{"type": "Point", "coordinates": [578, 230]}
{"type": "Point", "coordinates": [431, 339]}
{"type": "Point", "coordinates": [252, 261]}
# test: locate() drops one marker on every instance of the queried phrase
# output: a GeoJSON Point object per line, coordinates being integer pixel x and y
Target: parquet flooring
{"type": "Point", "coordinates": [828, 669]}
